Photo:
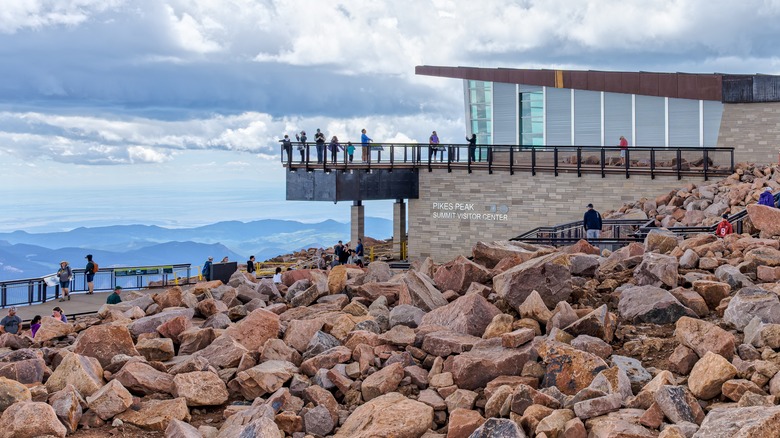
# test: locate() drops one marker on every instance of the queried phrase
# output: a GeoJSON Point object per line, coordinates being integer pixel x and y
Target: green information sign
{"type": "Point", "coordinates": [150, 270]}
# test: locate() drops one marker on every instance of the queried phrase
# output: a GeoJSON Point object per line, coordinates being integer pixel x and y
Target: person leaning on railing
{"type": "Point", "coordinates": [364, 141]}
{"type": "Point", "coordinates": [472, 146]}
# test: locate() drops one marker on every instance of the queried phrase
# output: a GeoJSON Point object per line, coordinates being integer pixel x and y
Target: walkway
{"type": "Point", "coordinates": [79, 303]}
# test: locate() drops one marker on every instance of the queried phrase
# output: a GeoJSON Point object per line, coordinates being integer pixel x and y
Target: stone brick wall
{"type": "Point", "coordinates": [753, 130]}
{"type": "Point", "coordinates": [455, 210]}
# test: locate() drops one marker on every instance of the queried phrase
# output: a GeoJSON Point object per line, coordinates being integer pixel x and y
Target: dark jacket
{"type": "Point", "coordinates": [250, 266]}
{"type": "Point", "coordinates": [592, 220]}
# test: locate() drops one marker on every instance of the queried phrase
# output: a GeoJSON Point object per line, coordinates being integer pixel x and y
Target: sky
{"type": "Point", "coordinates": [169, 112]}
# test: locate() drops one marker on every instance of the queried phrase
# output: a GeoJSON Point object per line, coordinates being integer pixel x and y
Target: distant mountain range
{"type": "Point", "coordinates": [28, 255]}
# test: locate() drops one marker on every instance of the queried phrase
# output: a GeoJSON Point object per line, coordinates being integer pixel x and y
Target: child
{"type": "Point", "coordinates": [35, 324]}
{"type": "Point", "coordinates": [278, 276]}
{"type": "Point", "coordinates": [350, 150]}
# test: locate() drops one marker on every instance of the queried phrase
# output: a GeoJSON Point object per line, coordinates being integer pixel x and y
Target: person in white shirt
{"type": "Point", "coordinates": [278, 276]}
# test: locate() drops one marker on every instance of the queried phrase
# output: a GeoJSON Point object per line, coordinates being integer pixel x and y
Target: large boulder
{"type": "Point", "coordinates": [258, 327]}
{"type": "Point", "coordinates": [156, 414]}
{"type": "Point", "coordinates": [372, 291]}
{"type": "Point", "coordinates": [741, 422]}
{"type": "Point", "coordinates": [149, 324]}
{"type": "Point", "coordinates": [657, 270]}
{"type": "Point", "coordinates": [25, 371]}
{"type": "Point", "coordinates": [486, 361]}
{"type": "Point", "coordinates": [498, 427]}
{"type": "Point", "coordinates": [224, 352]}
{"type": "Point", "coordinates": [420, 292]}
{"type": "Point", "coordinates": [143, 379]}
{"type": "Point", "coordinates": [651, 304]}
{"type": "Point", "coordinates": [67, 405]}
{"type": "Point", "coordinates": [709, 374]}
{"type": "Point", "coordinates": [752, 302]}
{"type": "Point", "coordinates": [30, 420]}
{"type": "Point", "coordinates": [764, 218]}
{"type": "Point", "coordinates": [200, 388]}
{"type": "Point", "coordinates": [170, 298]}
{"type": "Point", "coordinates": [469, 314]}
{"type": "Point", "coordinates": [383, 381]}
{"type": "Point", "coordinates": [458, 275]}
{"type": "Point", "coordinates": [84, 373]}
{"type": "Point", "coordinates": [567, 368]}
{"type": "Point", "coordinates": [110, 400]}
{"type": "Point", "coordinates": [388, 415]}
{"type": "Point", "coordinates": [265, 378]}
{"type": "Point", "coordinates": [702, 337]}
{"type": "Point", "coordinates": [661, 240]}
{"type": "Point", "coordinates": [103, 342]}
{"type": "Point", "coordinates": [488, 254]}
{"type": "Point", "coordinates": [549, 275]}
{"type": "Point", "coordinates": [11, 392]}
{"type": "Point", "coordinates": [52, 328]}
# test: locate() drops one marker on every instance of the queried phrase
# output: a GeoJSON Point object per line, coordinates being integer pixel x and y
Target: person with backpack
{"type": "Point", "coordinates": [724, 227]}
{"type": "Point", "coordinates": [287, 147]}
{"type": "Point", "coordinates": [206, 271]}
{"type": "Point", "coordinates": [250, 265]}
{"type": "Point", "coordinates": [64, 275]}
{"type": "Point", "coordinates": [89, 272]}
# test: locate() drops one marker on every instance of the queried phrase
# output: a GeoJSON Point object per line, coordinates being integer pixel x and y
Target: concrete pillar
{"type": "Point", "coordinates": [357, 224]}
{"type": "Point", "coordinates": [399, 227]}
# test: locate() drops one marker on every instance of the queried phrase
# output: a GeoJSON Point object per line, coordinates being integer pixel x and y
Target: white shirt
{"type": "Point", "coordinates": [278, 278]}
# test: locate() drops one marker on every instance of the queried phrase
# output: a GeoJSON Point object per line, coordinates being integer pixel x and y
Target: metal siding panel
{"type": "Point", "coordinates": [631, 83]}
{"type": "Point", "coordinates": [710, 87]}
{"type": "Point", "coordinates": [648, 84]}
{"type": "Point", "coordinates": [617, 117]}
{"type": "Point", "coordinates": [650, 121]}
{"type": "Point", "coordinates": [667, 85]}
{"type": "Point", "coordinates": [587, 118]}
{"type": "Point", "coordinates": [613, 82]}
{"type": "Point", "coordinates": [579, 80]}
{"type": "Point", "coordinates": [504, 113]}
{"type": "Point", "coordinates": [766, 88]}
{"type": "Point", "coordinates": [683, 123]}
{"type": "Point", "coordinates": [596, 80]}
{"type": "Point", "coordinates": [558, 115]}
{"type": "Point", "coordinates": [713, 112]}
{"type": "Point", "coordinates": [687, 86]}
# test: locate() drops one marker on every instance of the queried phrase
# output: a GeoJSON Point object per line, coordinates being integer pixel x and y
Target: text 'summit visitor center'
{"type": "Point", "coordinates": [547, 146]}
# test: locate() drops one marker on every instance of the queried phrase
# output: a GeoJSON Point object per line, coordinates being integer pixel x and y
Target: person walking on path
{"type": "Point", "coordinates": [206, 271]}
{"type": "Point", "coordinates": [433, 146]}
{"type": "Point", "coordinates": [724, 227]}
{"type": "Point", "coordinates": [250, 265]}
{"type": "Point", "coordinates": [319, 138]}
{"type": "Point", "coordinates": [334, 147]}
{"type": "Point", "coordinates": [287, 147]}
{"type": "Point", "coordinates": [359, 250]}
{"type": "Point", "coordinates": [472, 147]}
{"type": "Point", "coordinates": [592, 223]}
{"type": "Point", "coordinates": [89, 271]}
{"type": "Point", "coordinates": [301, 144]}
{"type": "Point", "coordinates": [767, 198]}
{"type": "Point", "coordinates": [10, 323]}
{"type": "Point", "coordinates": [57, 314]}
{"type": "Point", "coordinates": [114, 298]}
{"type": "Point", "coordinates": [64, 275]}
{"type": "Point", "coordinates": [364, 142]}
{"type": "Point", "coordinates": [623, 148]}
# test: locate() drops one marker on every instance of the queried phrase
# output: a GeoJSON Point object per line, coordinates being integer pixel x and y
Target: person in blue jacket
{"type": "Point", "coordinates": [206, 272]}
{"type": "Point", "coordinates": [767, 198]}
{"type": "Point", "coordinates": [592, 223]}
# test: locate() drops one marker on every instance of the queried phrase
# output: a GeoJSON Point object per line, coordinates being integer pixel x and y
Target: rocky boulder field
{"type": "Point", "coordinates": [666, 338]}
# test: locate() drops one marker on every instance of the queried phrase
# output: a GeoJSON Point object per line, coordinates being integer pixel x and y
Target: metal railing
{"type": "Point", "coordinates": [653, 161]}
{"type": "Point", "coordinates": [619, 232]}
{"type": "Point", "coordinates": [29, 291]}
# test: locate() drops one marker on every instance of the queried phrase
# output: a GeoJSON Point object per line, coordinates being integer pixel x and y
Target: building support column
{"type": "Point", "coordinates": [357, 223]}
{"type": "Point", "coordinates": [399, 229]}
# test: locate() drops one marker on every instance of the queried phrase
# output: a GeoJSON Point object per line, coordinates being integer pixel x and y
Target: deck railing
{"type": "Point", "coordinates": [29, 291]}
{"type": "Point", "coordinates": [646, 160]}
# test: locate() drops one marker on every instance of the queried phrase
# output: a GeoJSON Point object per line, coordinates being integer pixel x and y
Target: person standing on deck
{"type": "Point", "coordinates": [472, 147]}
{"type": "Point", "coordinates": [623, 148]}
{"type": "Point", "coordinates": [433, 146]}
{"type": "Point", "coordinates": [364, 141]}
{"type": "Point", "coordinates": [319, 137]}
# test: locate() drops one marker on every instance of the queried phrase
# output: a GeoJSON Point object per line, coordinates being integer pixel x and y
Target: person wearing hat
{"type": "Point", "coordinates": [11, 322]}
{"type": "Point", "coordinates": [89, 272]}
{"type": "Point", "coordinates": [206, 271]}
{"type": "Point", "coordinates": [767, 198]}
{"type": "Point", "coordinates": [64, 275]}
{"type": "Point", "coordinates": [592, 223]}
{"type": "Point", "coordinates": [114, 298]}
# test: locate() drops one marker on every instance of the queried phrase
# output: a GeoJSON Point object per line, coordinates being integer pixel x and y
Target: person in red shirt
{"type": "Point", "coordinates": [623, 147]}
{"type": "Point", "coordinates": [724, 227]}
